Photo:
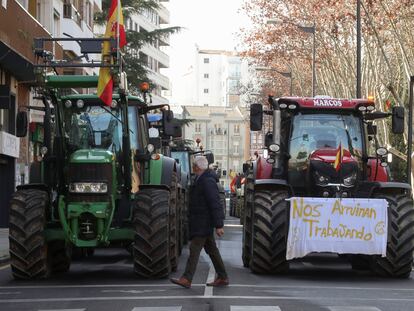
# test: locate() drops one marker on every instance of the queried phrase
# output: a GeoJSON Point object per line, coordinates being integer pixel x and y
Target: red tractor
{"type": "Point", "coordinates": [324, 148]}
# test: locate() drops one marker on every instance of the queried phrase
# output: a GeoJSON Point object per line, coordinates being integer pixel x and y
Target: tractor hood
{"type": "Point", "coordinates": [92, 156]}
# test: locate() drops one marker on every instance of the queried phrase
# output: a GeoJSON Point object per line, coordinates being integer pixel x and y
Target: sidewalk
{"type": "Point", "coordinates": [4, 245]}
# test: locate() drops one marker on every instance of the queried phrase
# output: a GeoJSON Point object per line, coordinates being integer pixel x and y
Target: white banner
{"type": "Point", "coordinates": [344, 226]}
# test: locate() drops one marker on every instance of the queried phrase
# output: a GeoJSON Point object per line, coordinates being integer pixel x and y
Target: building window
{"type": "Point", "coordinates": [236, 129]}
{"type": "Point", "coordinates": [198, 128]}
{"type": "Point", "coordinates": [88, 14]}
{"type": "Point", "coordinates": [56, 24]}
{"type": "Point", "coordinates": [205, 91]}
{"type": "Point", "coordinates": [206, 60]}
{"type": "Point", "coordinates": [206, 76]}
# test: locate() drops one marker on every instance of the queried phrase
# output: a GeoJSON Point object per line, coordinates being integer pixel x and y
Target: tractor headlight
{"type": "Point", "coordinates": [150, 148]}
{"type": "Point", "coordinates": [321, 180]}
{"type": "Point", "coordinates": [88, 187]}
{"type": "Point", "coordinates": [350, 180]}
{"type": "Point", "coordinates": [80, 103]}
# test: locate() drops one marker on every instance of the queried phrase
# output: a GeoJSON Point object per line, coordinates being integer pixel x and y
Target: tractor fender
{"type": "Point", "coordinates": [168, 167]}
{"type": "Point", "coordinates": [391, 187]}
{"type": "Point", "coordinates": [37, 186]}
{"type": "Point", "coordinates": [262, 169]}
{"type": "Point", "coordinates": [154, 187]}
{"type": "Point", "coordinates": [272, 184]}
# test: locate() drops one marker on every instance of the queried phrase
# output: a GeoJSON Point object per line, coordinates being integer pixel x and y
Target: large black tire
{"type": "Point", "coordinates": [59, 256]}
{"type": "Point", "coordinates": [180, 228]}
{"type": "Point", "coordinates": [400, 245]}
{"type": "Point", "coordinates": [184, 215]}
{"type": "Point", "coordinates": [270, 232]}
{"type": "Point", "coordinates": [151, 224]}
{"type": "Point", "coordinates": [247, 233]}
{"type": "Point", "coordinates": [174, 218]}
{"type": "Point", "coordinates": [233, 204]}
{"type": "Point", "coordinates": [28, 246]}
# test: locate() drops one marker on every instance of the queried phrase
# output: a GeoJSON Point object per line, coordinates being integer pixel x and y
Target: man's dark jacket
{"type": "Point", "coordinates": [206, 210]}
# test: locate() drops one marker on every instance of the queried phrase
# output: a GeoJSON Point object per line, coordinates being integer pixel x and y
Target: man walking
{"type": "Point", "coordinates": [206, 215]}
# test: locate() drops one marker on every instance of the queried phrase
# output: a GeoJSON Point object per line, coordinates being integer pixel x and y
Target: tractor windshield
{"type": "Point", "coordinates": [96, 127]}
{"type": "Point", "coordinates": [313, 132]}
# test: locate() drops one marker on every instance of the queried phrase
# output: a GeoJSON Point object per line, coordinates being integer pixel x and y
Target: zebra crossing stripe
{"type": "Point", "coordinates": [254, 308]}
{"type": "Point", "coordinates": [354, 308]}
{"type": "Point", "coordinates": [176, 308]}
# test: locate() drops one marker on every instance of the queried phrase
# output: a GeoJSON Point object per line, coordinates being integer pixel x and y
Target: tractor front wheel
{"type": "Point", "coordinates": [28, 246]}
{"type": "Point", "coordinates": [400, 242]}
{"type": "Point", "coordinates": [151, 223]}
{"type": "Point", "coordinates": [270, 231]}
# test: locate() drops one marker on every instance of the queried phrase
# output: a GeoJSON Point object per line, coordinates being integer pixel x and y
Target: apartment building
{"type": "Point", "coordinates": [154, 55]}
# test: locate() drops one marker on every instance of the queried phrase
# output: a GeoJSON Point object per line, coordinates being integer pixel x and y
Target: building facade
{"type": "Point", "coordinates": [223, 131]}
{"type": "Point", "coordinates": [154, 55]}
{"type": "Point", "coordinates": [18, 28]}
{"type": "Point", "coordinates": [216, 78]}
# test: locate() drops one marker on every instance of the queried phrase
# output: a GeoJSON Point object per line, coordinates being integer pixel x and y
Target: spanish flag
{"type": "Point", "coordinates": [338, 158]}
{"type": "Point", "coordinates": [105, 82]}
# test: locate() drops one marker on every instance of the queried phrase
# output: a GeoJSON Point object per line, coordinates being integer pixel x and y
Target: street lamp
{"type": "Point", "coordinates": [306, 29]}
{"type": "Point", "coordinates": [286, 74]}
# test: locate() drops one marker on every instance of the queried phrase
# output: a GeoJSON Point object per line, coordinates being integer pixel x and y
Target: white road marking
{"type": "Point", "coordinates": [10, 293]}
{"type": "Point", "coordinates": [63, 310]}
{"type": "Point", "coordinates": [167, 285]}
{"type": "Point", "coordinates": [106, 298]}
{"type": "Point", "coordinates": [208, 290]}
{"type": "Point", "coordinates": [132, 291]}
{"type": "Point", "coordinates": [254, 308]}
{"type": "Point", "coordinates": [176, 308]}
{"type": "Point", "coordinates": [4, 267]}
{"type": "Point", "coordinates": [359, 308]}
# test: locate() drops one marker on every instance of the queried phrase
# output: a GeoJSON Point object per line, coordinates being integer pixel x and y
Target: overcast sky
{"type": "Point", "coordinates": [211, 24]}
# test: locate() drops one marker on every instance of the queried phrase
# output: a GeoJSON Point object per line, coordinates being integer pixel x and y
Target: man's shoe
{"type": "Point", "coordinates": [219, 282]}
{"type": "Point", "coordinates": [182, 282]}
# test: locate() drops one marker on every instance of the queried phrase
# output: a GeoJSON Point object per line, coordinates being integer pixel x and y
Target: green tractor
{"type": "Point", "coordinates": [99, 182]}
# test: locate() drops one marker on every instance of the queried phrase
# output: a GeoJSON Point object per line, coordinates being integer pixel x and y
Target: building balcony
{"type": "Point", "coordinates": [162, 58]}
{"type": "Point", "coordinates": [159, 79]}
{"type": "Point", "coordinates": [164, 14]}
{"type": "Point", "coordinates": [18, 29]}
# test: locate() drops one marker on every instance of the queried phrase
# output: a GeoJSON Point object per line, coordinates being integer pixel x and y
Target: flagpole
{"type": "Point", "coordinates": [118, 52]}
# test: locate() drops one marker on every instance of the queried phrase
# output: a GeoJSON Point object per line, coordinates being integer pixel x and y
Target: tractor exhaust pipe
{"type": "Point", "coordinates": [410, 130]}
{"type": "Point", "coordinates": [277, 120]}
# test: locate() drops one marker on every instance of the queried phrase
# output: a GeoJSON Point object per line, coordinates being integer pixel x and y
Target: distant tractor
{"type": "Point", "coordinates": [99, 182]}
{"type": "Point", "coordinates": [309, 137]}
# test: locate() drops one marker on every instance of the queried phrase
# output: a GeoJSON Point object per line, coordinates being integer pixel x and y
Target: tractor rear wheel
{"type": "Point", "coordinates": [400, 245]}
{"type": "Point", "coordinates": [174, 217]}
{"type": "Point", "coordinates": [151, 224]}
{"type": "Point", "coordinates": [28, 246]}
{"type": "Point", "coordinates": [247, 234]}
{"type": "Point", "coordinates": [270, 232]}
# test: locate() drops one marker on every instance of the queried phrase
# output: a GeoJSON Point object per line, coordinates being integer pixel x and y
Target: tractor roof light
{"type": "Point", "coordinates": [68, 103]}
{"type": "Point", "coordinates": [292, 106]}
{"type": "Point", "coordinates": [370, 108]}
{"type": "Point", "coordinates": [274, 147]}
{"type": "Point", "coordinates": [283, 106]}
{"type": "Point", "coordinates": [362, 108]}
{"type": "Point", "coordinates": [144, 87]}
{"type": "Point", "coordinates": [114, 104]}
{"type": "Point", "coordinates": [381, 151]}
{"type": "Point", "coordinates": [80, 103]}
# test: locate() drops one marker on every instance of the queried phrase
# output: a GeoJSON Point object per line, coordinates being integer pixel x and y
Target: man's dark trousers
{"type": "Point", "coordinates": [209, 244]}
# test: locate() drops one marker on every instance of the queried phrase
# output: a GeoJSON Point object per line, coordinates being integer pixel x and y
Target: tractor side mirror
{"type": "Point", "coordinates": [371, 129]}
{"type": "Point", "coordinates": [210, 157]}
{"type": "Point", "coordinates": [168, 123]}
{"type": "Point", "coordinates": [245, 168]}
{"type": "Point", "coordinates": [398, 120]}
{"type": "Point", "coordinates": [256, 117]}
{"type": "Point", "coordinates": [21, 124]}
{"type": "Point", "coordinates": [178, 131]}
